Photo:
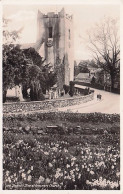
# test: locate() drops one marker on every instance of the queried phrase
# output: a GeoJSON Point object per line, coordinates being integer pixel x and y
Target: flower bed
{"type": "Point", "coordinates": [83, 154]}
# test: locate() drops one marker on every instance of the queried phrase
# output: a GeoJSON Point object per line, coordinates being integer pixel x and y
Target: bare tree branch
{"type": "Point", "coordinates": [104, 44]}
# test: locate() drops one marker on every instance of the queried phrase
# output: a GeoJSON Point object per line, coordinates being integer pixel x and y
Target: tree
{"type": "Point", "coordinates": [13, 67]}
{"type": "Point", "coordinates": [66, 88]}
{"type": "Point", "coordinates": [24, 67]}
{"type": "Point", "coordinates": [76, 69]}
{"type": "Point", "coordinates": [33, 82]}
{"type": "Point", "coordinates": [84, 70]}
{"type": "Point", "coordinates": [33, 75]}
{"type": "Point", "coordinates": [27, 70]}
{"type": "Point", "coordinates": [40, 71]}
{"type": "Point", "coordinates": [10, 37]}
{"type": "Point", "coordinates": [71, 92]}
{"type": "Point", "coordinates": [105, 46]}
{"type": "Point", "coordinates": [33, 57]}
{"type": "Point", "coordinates": [100, 77]}
{"type": "Point", "coordinates": [83, 66]}
{"type": "Point", "coordinates": [92, 64]}
{"type": "Point", "coordinates": [93, 80]}
{"type": "Point", "coordinates": [13, 58]}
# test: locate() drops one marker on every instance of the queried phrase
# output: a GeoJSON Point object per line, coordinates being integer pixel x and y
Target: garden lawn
{"type": "Point", "coordinates": [82, 152]}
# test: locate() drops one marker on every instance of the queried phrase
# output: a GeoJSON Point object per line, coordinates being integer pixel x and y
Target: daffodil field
{"type": "Point", "coordinates": [61, 151]}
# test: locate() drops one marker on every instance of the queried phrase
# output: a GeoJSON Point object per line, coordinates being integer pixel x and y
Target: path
{"type": "Point", "coordinates": [110, 103]}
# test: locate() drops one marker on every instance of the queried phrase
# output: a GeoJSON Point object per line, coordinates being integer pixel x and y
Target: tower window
{"type": "Point", "coordinates": [69, 34]}
{"type": "Point", "coordinates": [50, 32]}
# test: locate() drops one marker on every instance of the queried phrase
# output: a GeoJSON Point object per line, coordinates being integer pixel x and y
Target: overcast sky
{"type": "Point", "coordinates": [85, 16]}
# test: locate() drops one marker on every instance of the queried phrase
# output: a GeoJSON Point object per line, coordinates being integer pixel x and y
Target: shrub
{"type": "Point", "coordinates": [93, 80]}
{"type": "Point", "coordinates": [4, 95]}
{"type": "Point", "coordinates": [12, 99]}
{"type": "Point", "coordinates": [86, 91]}
{"type": "Point", "coordinates": [66, 88]}
{"type": "Point", "coordinates": [64, 116]}
{"type": "Point", "coordinates": [71, 92]}
{"type": "Point", "coordinates": [40, 95]}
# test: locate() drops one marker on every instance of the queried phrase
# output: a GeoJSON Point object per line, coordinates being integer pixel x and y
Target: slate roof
{"type": "Point", "coordinates": [82, 76]}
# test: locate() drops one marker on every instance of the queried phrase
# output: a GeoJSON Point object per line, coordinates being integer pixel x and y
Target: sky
{"type": "Point", "coordinates": [84, 18]}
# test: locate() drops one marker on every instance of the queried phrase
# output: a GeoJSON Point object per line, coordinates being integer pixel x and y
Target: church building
{"type": "Point", "coordinates": [55, 43]}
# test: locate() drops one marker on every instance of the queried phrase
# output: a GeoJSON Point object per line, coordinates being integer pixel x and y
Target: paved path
{"type": "Point", "coordinates": [110, 103]}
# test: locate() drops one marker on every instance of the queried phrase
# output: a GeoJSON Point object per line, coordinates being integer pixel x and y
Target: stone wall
{"type": "Point", "coordinates": [44, 105]}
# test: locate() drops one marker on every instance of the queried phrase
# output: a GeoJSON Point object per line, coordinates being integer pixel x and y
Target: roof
{"type": "Point", "coordinates": [28, 45]}
{"type": "Point", "coordinates": [79, 86]}
{"type": "Point", "coordinates": [37, 45]}
{"type": "Point", "coordinates": [82, 76]}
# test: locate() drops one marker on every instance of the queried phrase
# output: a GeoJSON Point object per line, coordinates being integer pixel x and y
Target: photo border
{"type": "Point", "coordinates": [47, 2]}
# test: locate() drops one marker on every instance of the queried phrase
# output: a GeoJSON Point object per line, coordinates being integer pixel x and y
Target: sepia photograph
{"type": "Point", "coordinates": [61, 96]}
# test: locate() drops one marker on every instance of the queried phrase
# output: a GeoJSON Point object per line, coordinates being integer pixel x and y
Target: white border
{"type": "Point", "coordinates": [1, 134]}
{"type": "Point", "coordinates": [121, 93]}
{"type": "Point", "coordinates": [60, 2]}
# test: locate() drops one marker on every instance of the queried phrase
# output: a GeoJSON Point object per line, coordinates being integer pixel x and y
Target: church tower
{"type": "Point", "coordinates": [55, 43]}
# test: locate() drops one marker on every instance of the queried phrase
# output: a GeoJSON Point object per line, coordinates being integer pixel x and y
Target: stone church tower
{"type": "Point", "coordinates": [55, 43]}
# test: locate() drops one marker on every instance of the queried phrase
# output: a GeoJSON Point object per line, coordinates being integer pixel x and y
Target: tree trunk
{"type": "Point", "coordinates": [24, 91]}
{"type": "Point", "coordinates": [34, 91]}
{"type": "Point", "coordinates": [112, 82]}
{"type": "Point", "coordinates": [19, 92]}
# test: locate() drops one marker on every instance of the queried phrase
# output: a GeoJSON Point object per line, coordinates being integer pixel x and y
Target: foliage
{"type": "Point", "coordinates": [66, 88]}
{"type": "Point", "coordinates": [96, 85]}
{"type": "Point", "coordinates": [100, 77]}
{"type": "Point", "coordinates": [10, 37]}
{"type": "Point", "coordinates": [105, 45]}
{"type": "Point", "coordinates": [84, 70]}
{"type": "Point", "coordinates": [17, 70]}
{"type": "Point", "coordinates": [33, 57]}
{"type": "Point", "coordinates": [86, 91]}
{"type": "Point", "coordinates": [25, 67]}
{"type": "Point", "coordinates": [13, 66]}
{"type": "Point", "coordinates": [85, 156]}
{"type": "Point", "coordinates": [93, 80]}
{"type": "Point", "coordinates": [84, 66]}
{"type": "Point", "coordinates": [51, 80]}
{"type": "Point", "coordinates": [71, 92]}
{"type": "Point", "coordinates": [39, 77]}
{"type": "Point", "coordinates": [64, 116]}
{"type": "Point", "coordinates": [92, 64]}
{"type": "Point", "coordinates": [76, 69]}
{"type": "Point", "coordinates": [12, 99]}
{"type": "Point", "coordinates": [13, 58]}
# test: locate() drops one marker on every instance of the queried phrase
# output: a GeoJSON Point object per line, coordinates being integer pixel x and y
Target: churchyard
{"type": "Point", "coordinates": [61, 151]}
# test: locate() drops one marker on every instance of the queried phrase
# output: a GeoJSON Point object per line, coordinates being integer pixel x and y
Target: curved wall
{"type": "Point", "coordinates": [44, 105]}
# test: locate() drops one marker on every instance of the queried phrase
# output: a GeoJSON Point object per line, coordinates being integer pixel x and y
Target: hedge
{"type": "Point", "coordinates": [64, 116]}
